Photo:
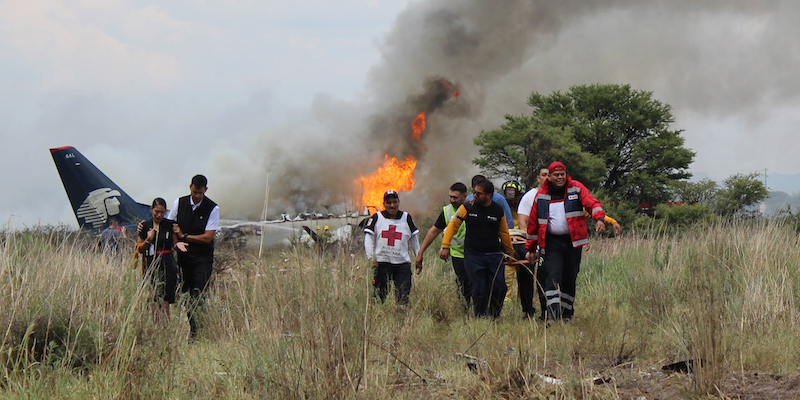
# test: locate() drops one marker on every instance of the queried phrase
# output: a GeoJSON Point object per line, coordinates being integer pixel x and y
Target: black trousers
{"type": "Point", "coordinates": [163, 276]}
{"type": "Point", "coordinates": [526, 284]}
{"type": "Point", "coordinates": [196, 271]}
{"type": "Point", "coordinates": [400, 274]}
{"type": "Point", "coordinates": [559, 275]}
{"type": "Point", "coordinates": [487, 274]}
{"type": "Point", "coordinates": [462, 278]}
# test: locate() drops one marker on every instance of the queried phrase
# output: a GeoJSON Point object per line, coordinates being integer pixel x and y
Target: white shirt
{"type": "Point", "coordinates": [526, 203]}
{"type": "Point", "coordinates": [212, 224]}
{"type": "Point", "coordinates": [557, 220]}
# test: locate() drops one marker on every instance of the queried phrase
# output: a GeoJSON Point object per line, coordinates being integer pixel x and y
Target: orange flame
{"type": "Point", "coordinates": [449, 85]}
{"type": "Point", "coordinates": [395, 175]}
{"type": "Point", "coordinates": [418, 125]}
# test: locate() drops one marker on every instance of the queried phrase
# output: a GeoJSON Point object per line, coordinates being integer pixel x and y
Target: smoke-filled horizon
{"type": "Point", "coordinates": [726, 67]}
{"type": "Point", "coordinates": [498, 53]}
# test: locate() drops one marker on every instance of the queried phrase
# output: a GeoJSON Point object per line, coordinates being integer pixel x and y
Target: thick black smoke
{"type": "Point", "coordinates": [724, 58]}
{"type": "Point", "coordinates": [391, 130]}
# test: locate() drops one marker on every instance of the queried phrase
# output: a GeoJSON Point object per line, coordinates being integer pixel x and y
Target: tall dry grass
{"type": "Point", "coordinates": [301, 323]}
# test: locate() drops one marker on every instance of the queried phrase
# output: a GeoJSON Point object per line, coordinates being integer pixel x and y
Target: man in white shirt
{"type": "Point", "coordinates": [526, 282]}
{"type": "Point", "coordinates": [197, 218]}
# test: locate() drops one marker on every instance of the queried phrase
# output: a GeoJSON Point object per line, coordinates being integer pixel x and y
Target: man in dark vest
{"type": "Point", "coordinates": [485, 245]}
{"type": "Point", "coordinates": [197, 219]}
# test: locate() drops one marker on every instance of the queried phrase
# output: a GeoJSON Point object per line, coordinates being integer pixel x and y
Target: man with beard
{"type": "Point", "coordinates": [388, 236]}
{"type": "Point", "coordinates": [483, 253]}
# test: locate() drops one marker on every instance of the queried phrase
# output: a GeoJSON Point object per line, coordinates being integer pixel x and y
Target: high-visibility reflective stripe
{"type": "Point", "coordinates": [542, 221]}
{"type": "Point", "coordinates": [552, 301]}
{"type": "Point", "coordinates": [457, 242]}
{"type": "Point", "coordinates": [449, 213]}
{"type": "Point", "coordinates": [551, 293]}
{"type": "Point", "coordinates": [574, 189]}
{"type": "Point", "coordinates": [566, 305]}
{"type": "Point", "coordinates": [567, 297]}
{"type": "Point", "coordinates": [596, 209]}
{"type": "Point", "coordinates": [532, 237]}
{"type": "Point", "coordinates": [581, 242]}
{"type": "Point", "coordinates": [573, 214]}
{"type": "Point", "coordinates": [542, 196]}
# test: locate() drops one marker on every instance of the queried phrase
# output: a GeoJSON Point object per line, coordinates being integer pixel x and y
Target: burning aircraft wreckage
{"type": "Point", "coordinates": [396, 172]}
{"type": "Point", "coordinates": [95, 198]}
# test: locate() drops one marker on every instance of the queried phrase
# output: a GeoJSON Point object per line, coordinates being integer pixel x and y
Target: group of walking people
{"type": "Point", "coordinates": [187, 231]}
{"type": "Point", "coordinates": [476, 239]}
{"type": "Point", "coordinates": [478, 242]}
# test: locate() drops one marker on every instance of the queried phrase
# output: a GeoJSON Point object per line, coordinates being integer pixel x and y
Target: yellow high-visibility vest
{"type": "Point", "coordinates": [457, 243]}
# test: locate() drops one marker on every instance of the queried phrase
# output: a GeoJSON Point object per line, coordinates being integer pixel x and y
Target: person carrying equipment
{"type": "Point", "coordinates": [486, 244]}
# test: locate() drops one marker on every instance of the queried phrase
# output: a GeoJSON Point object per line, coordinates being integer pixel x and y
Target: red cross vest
{"type": "Point", "coordinates": [391, 239]}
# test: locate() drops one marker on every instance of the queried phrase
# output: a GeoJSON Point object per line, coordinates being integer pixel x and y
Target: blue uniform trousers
{"type": "Point", "coordinates": [488, 279]}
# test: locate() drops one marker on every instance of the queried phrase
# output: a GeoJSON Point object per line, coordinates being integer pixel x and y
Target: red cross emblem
{"type": "Point", "coordinates": [391, 235]}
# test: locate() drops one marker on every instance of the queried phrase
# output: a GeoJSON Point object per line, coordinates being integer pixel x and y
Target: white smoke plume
{"type": "Point", "coordinates": [728, 59]}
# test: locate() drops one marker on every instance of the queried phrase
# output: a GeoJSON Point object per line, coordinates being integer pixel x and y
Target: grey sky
{"type": "Point", "coordinates": [153, 93]}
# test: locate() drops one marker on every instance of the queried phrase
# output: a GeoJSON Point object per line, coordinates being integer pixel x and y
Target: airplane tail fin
{"type": "Point", "coordinates": [93, 196]}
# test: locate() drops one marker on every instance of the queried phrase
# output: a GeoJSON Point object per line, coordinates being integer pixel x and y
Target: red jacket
{"type": "Point", "coordinates": [576, 198]}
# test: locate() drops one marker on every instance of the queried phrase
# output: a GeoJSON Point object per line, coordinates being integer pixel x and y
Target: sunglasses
{"type": "Point", "coordinates": [477, 193]}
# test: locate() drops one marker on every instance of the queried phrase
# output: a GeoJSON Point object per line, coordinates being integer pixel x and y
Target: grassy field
{"type": "Point", "coordinates": [300, 323]}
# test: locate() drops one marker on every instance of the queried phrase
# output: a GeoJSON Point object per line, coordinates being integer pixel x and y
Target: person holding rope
{"type": "Point", "coordinates": [559, 231]}
{"type": "Point", "coordinates": [156, 242]}
{"type": "Point", "coordinates": [486, 244]}
{"type": "Point", "coordinates": [512, 192]}
{"type": "Point", "coordinates": [523, 214]}
{"type": "Point", "coordinates": [528, 280]}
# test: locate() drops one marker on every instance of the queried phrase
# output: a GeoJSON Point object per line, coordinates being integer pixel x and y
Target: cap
{"type": "Point", "coordinates": [556, 166]}
{"type": "Point", "coordinates": [390, 193]}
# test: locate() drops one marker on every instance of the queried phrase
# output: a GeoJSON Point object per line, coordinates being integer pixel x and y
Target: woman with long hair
{"type": "Point", "coordinates": [156, 242]}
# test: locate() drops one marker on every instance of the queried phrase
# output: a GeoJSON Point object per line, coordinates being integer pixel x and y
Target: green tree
{"type": "Point", "coordinates": [524, 144]}
{"type": "Point", "coordinates": [628, 129]}
{"type": "Point", "coordinates": [684, 215]}
{"type": "Point", "coordinates": [738, 192]}
{"type": "Point", "coordinates": [694, 192]}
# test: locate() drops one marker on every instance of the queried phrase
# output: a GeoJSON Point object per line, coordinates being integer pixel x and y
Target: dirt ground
{"type": "Point", "coordinates": [658, 385]}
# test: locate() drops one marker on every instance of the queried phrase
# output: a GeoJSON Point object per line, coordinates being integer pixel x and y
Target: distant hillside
{"type": "Point", "coordinates": [780, 200]}
{"type": "Point", "coordinates": [784, 191]}
{"type": "Point", "coordinates": [784, 183]}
